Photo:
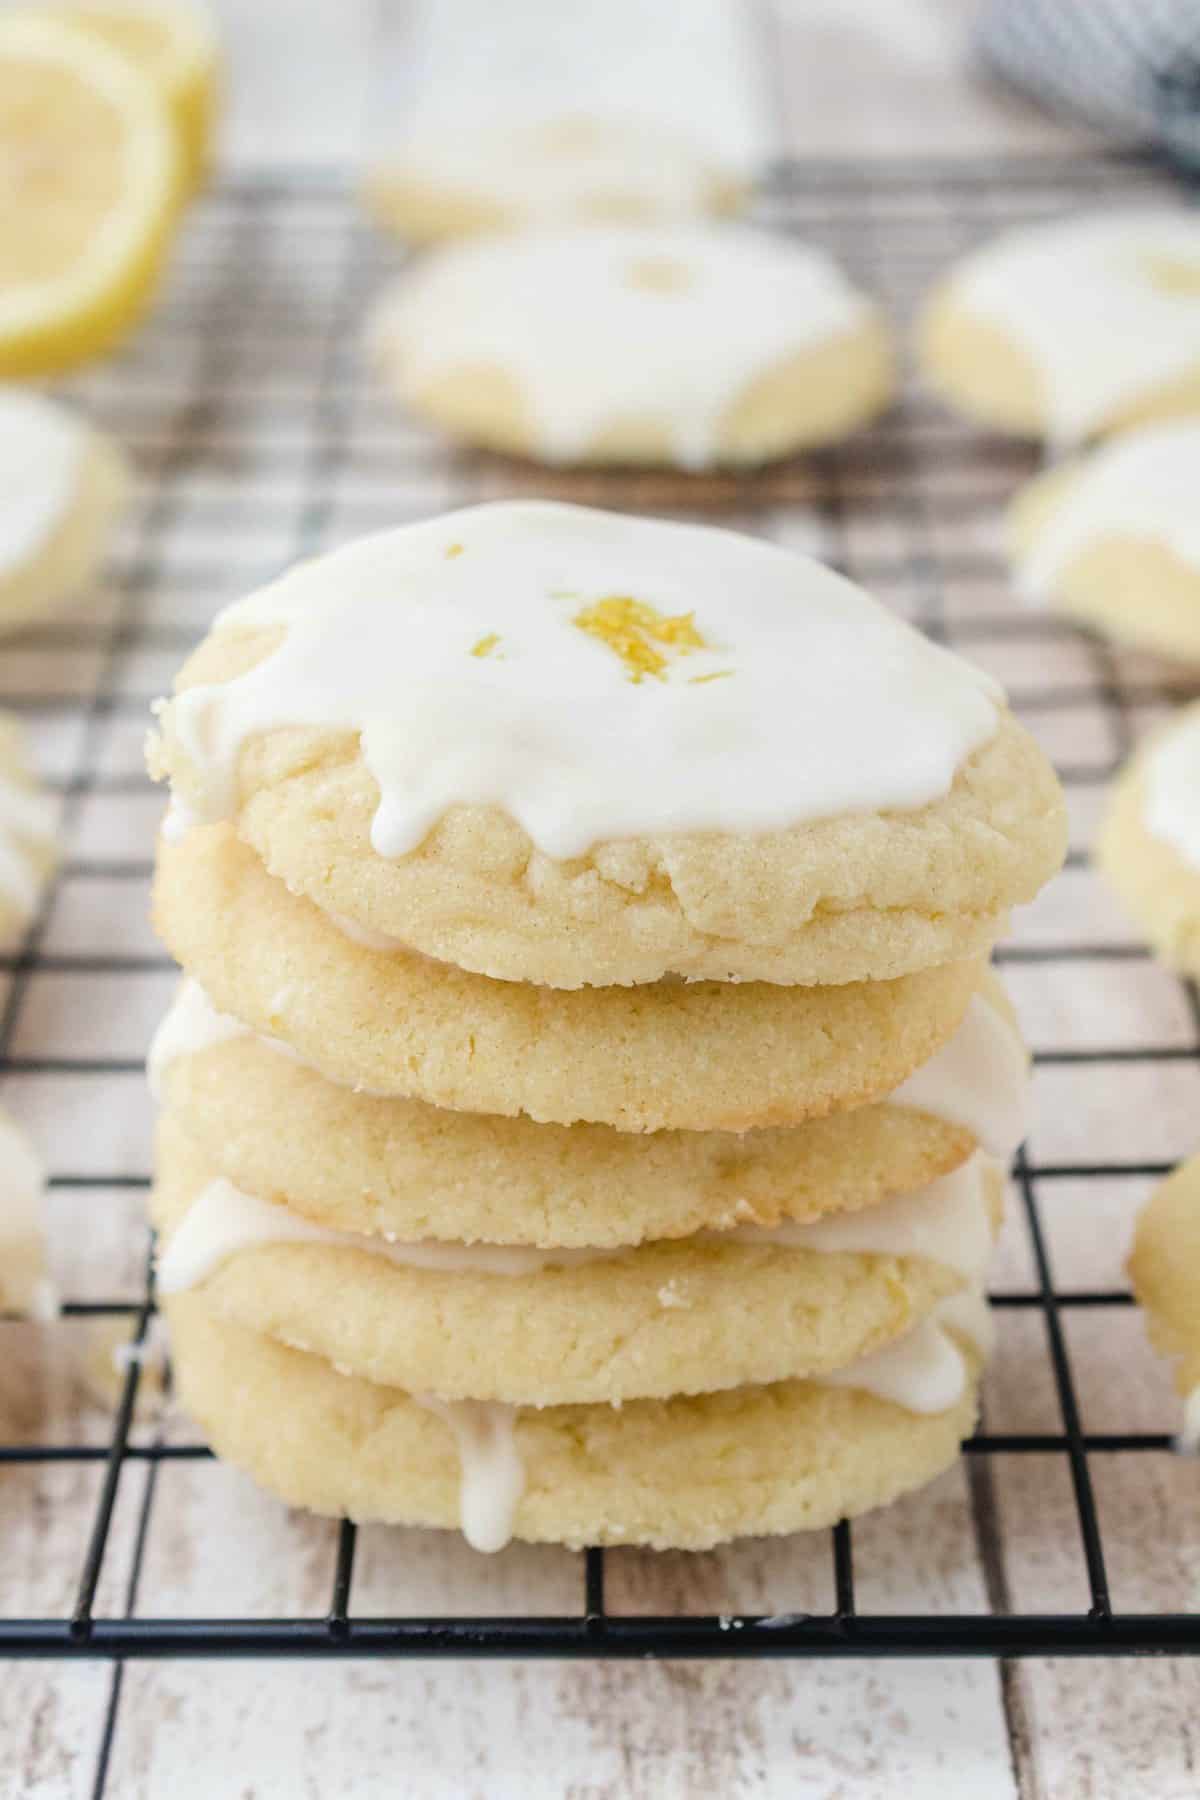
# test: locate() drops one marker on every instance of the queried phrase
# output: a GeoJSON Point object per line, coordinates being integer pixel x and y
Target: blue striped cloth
{"type": "Point", "coordinates": [1130, 66]}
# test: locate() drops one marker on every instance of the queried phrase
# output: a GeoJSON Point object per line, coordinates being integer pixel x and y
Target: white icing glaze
{"type": "Point", "coordinates": [25, 1287]}
{"type": "Point", "coordinates": [605, 324]}
{"type": "Point", "coordinates": [560, 169]}
{"type": "Point", "coordinates": [979, 1080]}
{"type": "Point", "coordinates": [191, 1024]}
{"type": "Point", "coordinates": [833, 704]}
{"type": "Point", "coordinates": [177, 820]}
{"type": "Point", "coordinates": [223, 1220]}
{"type": "Point", "coordinates": [924, 1371]}
{"type": "Point", "coordinates": [1188, 1440]}
{"type": "Point", "coordinates": [493, 1475]}
{"type": "Point", "coordinates": [1172, 787]}
{"type": "Point", "coordinates": [1084, 299]}
{"type": "Point", "coordinates": [41, 450]}
{"type": "Point", "coordinates": [1142, 486]}
{"type": "Point", "coordinates": [949, 1221]}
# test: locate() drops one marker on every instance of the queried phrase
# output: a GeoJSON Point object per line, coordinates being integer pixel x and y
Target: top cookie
{"type": "Point", "coordinates": [561, 746]}
{"type": "Point", "coordinates": [1072, 329]}
{"type": "Point", "coordinates": [553, 171]}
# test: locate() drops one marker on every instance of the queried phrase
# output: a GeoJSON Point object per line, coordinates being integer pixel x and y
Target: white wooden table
{"type": "Point", "coordinates": [302, 90]}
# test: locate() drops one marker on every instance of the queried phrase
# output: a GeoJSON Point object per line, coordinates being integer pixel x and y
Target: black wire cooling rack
{"type": "Point", "coordinates": [260, 437]}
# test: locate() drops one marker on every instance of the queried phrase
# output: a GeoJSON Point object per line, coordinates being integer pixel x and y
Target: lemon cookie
{"type": "Point", "coordinates": [1164, 1266]}
{"type": "Point", "coordinates": [28, 844]}
{"type": "Point", "coordinates": [360, 1163]}
{"type": "Point", "coordinates": [65, 486]}
{"type": "Point", "coordinates": [25, 1286]}
{"type": "Point", "coordinates": [1113, 539]}
{"type": "Point", "coordinates": [683, 1473]}
{"type": "Point", "coordinates": [1074, 328]}
{"type": "Point", "coordinates": [506, 177]}
{"type": "Point", "coordinates": [1149, 846]}
{"type": "Point", "coordinates": [684, 346]}
{"type": "Point", "coordinates": [562, 746]}
{"type": "Point", "coordinates": [666, 1055]}
{"type": "Point", "coordinates": [540, 1327]}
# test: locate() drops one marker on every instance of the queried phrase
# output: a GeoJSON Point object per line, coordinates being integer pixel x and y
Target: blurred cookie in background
{"type": "Point", "coordinates": [684, 347]}
{"type": "Point", "coordinates": [1149, 846]}
{"type": "Point", "coordinates": [571, 170]}
{"type": "Point", "coordinates": [28, 846]}
{"type": "Point", "coordinates": [65, 487]}
{"type": "Point", "coordinates": [1164, 1267]}
{"type": "Point", "coordinates": [1071, 330]}
{"type": "Point", "coordinates": [1114, 539]}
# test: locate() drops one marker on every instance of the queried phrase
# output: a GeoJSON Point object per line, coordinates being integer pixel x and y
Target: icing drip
{"type": "Point", "coordinates": [191, 1024]}
{"type": "Point", "coordinates": [1172, 791]}
{"type": "Point", "coordinates": [924, 1371]}
{"type": "Point", "coordinates": [979, 1080]}
{"type": "Point", "coordinates": [493, 1475]}
{"type": "Point", "coordinates": [1092, 302]}
{"type": "Point", "coordinates": [177, 820]}
{"type": "Point", "coordinates": [948, 1221]}
{"type": "Point", "coordinates": [833, 704]}
{"type": "Point", "coordinates": [605, 324]}
{"type": "Point", "coordinates": [41, 449]}
{"type": "Point", "coordinates": [1141, 486]}
{"type": "Point", "coordinates": [223, 1220]}
{"type": "Point", "coordinates": [25, 1287]}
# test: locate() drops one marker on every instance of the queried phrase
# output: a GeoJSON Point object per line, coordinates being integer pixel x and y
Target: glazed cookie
{"type": "Point", "coordinates": [25, 1286]}
{"type": "Point", "coordinates": [28, 845]}
{"type": "Point", "coordinates": [550, 172]}
{"type": "Point", "coordinates": [1072, 329]}
{"type": "Point", "coordinates": [682, 1473]}
{"type": "Point", "coordinates": [1164, 1267]}
{"type": "Point", "coordinates": [684, 347]}
{"type": "Point", "coordinates": [1114, 540]}
{"type": "Point", "coordinates": [399, 1168]}
{"type": "Point", "coordinates": [1149, 846]}
{"type": "Point", "coordinates": [668, 1055]}
{"type": "Point", "coordinates": [64, 486]}
{"type": "Point", "coordinates": [541, 1327]}
{"type": "Point", "coordinates": [561, 746]}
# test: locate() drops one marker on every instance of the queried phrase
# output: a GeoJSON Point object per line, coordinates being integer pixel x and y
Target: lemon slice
{"type": "Point", "coordinates": [176, 47]}
{"type": "Point", "coordinates": [89, 192]}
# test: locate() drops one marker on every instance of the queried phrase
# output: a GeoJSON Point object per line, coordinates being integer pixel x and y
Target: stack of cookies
{"type": "Point", "coordinates": [581, 1111]}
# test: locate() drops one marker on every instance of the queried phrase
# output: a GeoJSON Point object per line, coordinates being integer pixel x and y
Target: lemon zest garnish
{"type": "Point", "coordinates": [717, 675]}
{"type": "Point", "coordinates": [486, 644]}
{"type": "Point", "coordinates": [630, 629]}
{"type": "Point", "coordinates": [453, 550]}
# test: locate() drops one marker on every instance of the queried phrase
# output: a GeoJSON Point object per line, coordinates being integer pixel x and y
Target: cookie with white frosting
{"type": "Point", "coordinates": [1113, 539]}
{"type": "Point", "coordinates": [552, 171]}
{"type": "Point", "coordinates": [686, 347]}
{"type": "Point", "coordinates": [365, 1164]}
{"type": "Point", "coordinates": [547, 1327]}
{"type": "Point", "coordinates": [25, 1287]}
{"type": "Point", "coordinates": [65, 486]}
{"type": "Point", "coordinates": [1164, 1267]}
{"type": "Point", "coordinates": [567, 747]}
{"type": "Point", "coordinates": [1149, 846]}
{"type": "Point", "coordinates": [685, 1473]}
{"type": "Point", "coordinates": [28, 840]}
{"type": "Point", "coordinates": [1072, 329]}
{"type": "Point", "coordinates": [668, 1055]}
